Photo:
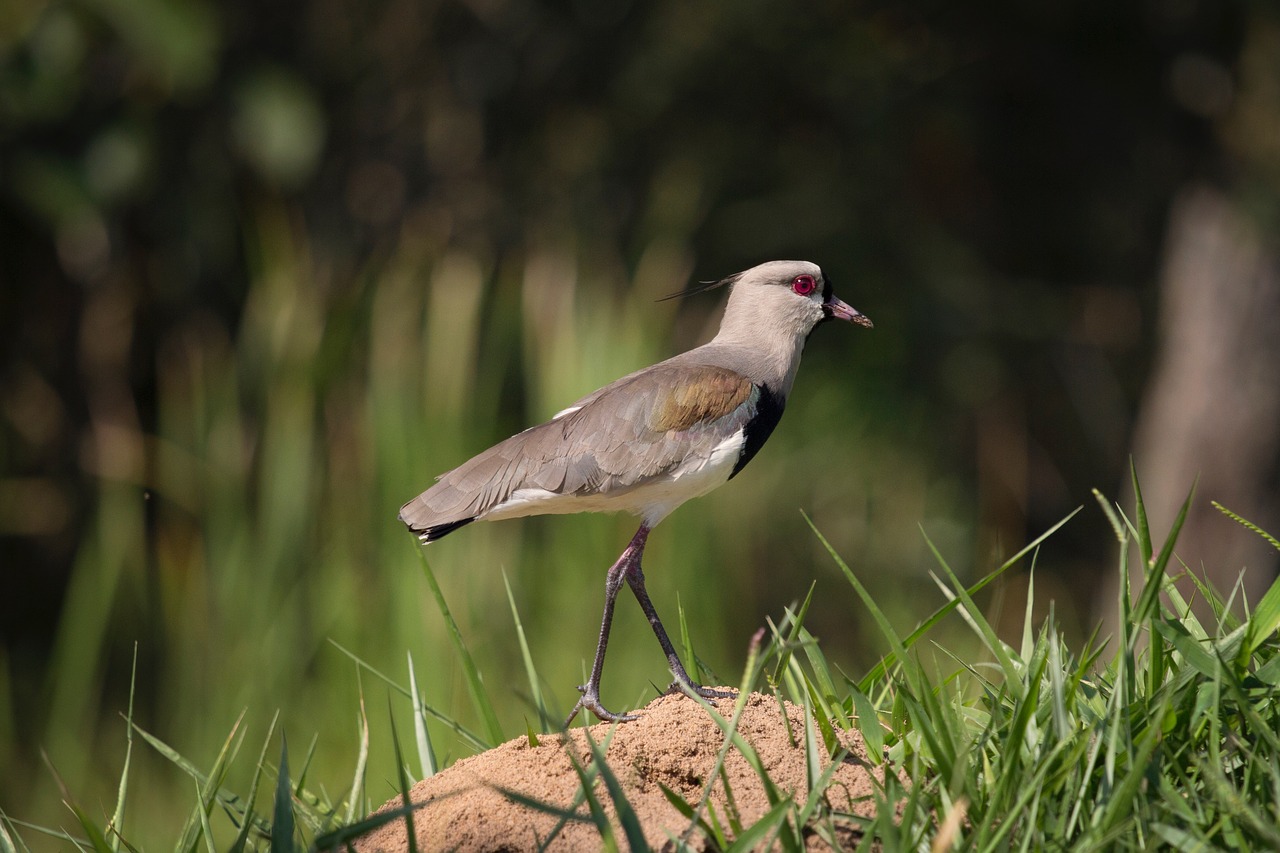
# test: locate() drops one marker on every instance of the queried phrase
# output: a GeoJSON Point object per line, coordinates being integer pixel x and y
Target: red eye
{"type": "Point", "coordinates": [803, 284]}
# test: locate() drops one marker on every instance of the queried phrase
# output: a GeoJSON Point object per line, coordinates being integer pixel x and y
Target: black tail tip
{"type": "Point", "coordinates": [435, 531]}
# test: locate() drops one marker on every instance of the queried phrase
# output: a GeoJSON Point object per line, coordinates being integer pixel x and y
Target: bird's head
{"type": "Point", "coordinates": [782, 298]}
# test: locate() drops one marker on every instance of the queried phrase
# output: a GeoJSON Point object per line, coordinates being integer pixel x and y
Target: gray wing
{"type": "Point", "coordinates": [620, 437]}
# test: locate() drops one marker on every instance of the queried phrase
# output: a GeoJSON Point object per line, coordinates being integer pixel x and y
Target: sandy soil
{"type": "Point", "coordinates": [674, 743]}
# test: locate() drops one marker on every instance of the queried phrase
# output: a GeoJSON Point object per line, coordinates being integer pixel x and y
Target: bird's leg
{"type": "Point", "coordinates": [613, 582]}
{"type": "Point", "coordinates": [635, 579]}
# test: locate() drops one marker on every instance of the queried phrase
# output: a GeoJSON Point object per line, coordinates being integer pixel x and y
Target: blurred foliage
{"type": "Point", "coordinates": [268, 268]}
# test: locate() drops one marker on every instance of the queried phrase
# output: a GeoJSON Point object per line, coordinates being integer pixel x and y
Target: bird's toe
{"type": "Point", "coordinates": [590, 701]}
{"type": "Point", "coordinates": [679, 686]}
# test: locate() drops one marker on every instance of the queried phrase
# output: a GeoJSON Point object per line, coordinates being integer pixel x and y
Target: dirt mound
{"type": "Point", "coordinates": [674, 743]}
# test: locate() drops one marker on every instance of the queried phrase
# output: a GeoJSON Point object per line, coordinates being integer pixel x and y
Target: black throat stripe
{"type": "Point", "coordinates": [758, 429]}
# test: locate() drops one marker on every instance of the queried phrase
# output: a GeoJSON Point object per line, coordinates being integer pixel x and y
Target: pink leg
{"type": "Point", "coordinates": [628, 567]}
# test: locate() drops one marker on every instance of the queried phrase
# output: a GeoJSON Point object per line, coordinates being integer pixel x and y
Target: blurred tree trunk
{"type": "Point", "coordinates": [1212, 406]}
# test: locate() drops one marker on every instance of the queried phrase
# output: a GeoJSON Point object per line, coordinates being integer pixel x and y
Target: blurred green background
{"type": "Point", "coordinates": [268, 268]}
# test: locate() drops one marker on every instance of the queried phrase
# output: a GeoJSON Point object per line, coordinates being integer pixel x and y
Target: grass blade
{"type": "Point", "coordinates": [586, 781]}
{"type": "Point", "coordinates": [475, 740]}
{"type": "Point", "coordinates": [869, 724]}
{"type": "Point", "coordinates": [878, 671]}
{"type": "Point", "coordinates": [622, 807]}
{"type": "Point", "coordinates": [753, 837]}
{"type": "Point", "coordinates": [95, 837]}
{"type": "Point", "coordinates": [479, 696]}
{"type": "Point", "coordinates": [206, 831]}
{"type": "Point", "coordinates": [896, 646]}
{"type": "Point", "coordinates": [973, 616]}
{"type": "Point", "coordinates": [282, 811]}
{"type": "Point", "coordinates": [1140, 512]}
{"type": "Point", "coordinates": [246, 823]}
{"type": "Point", "coordinates": [411, 835]}
{"type": "Point", "coordinates": [362, 760]}
{"type": "Point", "coordinates": [1154, 568]}
{"type": "Point", "coordinates": [687, 811]}
{"type": "Point", "coordinates": [686, 643]}
{"type": "Point", "coordinates": [531, 672]}
{"type": "Point", "coordinates": [116, 826]}
{"type": "Point", "coordinates": [793, 634]}
{"type": "Point", "coordinates": [426, 755]}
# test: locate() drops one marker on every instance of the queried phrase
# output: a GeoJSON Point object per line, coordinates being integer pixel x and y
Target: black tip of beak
{"type": "Point", "coordinates": [838, 309]}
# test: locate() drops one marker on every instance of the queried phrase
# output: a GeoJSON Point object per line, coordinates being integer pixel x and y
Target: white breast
{"type": "Point", "coordinates": [652, 500]}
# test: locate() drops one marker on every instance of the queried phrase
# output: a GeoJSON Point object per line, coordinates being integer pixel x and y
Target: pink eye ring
{"type": "Point", "coordinates": [803, 284]}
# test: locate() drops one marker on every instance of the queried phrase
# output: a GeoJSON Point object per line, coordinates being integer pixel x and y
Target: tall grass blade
{"type": "Point", "coordinates": [211, 785]}
{"type": "Point", "coordinates": [7, 844]}
{"type": "Point", "coordinates": [973, 615]}
{"type": "Point", "coordinates": [206, 831]}
{"type": "Point", "coordinates": [755, 836]}
{"type": "Point", "coordinates": [61, 835]}
{"type": "Point", "coordinates": [96, 839]}
{"type": "Point", "coordinates": [1154, 568]}
{"type": "Point", "coordinates": [411, 835]}
{"type": "Point", "coordinates": [1145, 545]}
{"type": "Point", "coordinates": [282, 810]}
{"type": "Point", "coordinates": [682, 805]}
{"type": "Point", "coordinates": [812, 761]}
{"type": "Point", "coordinates": [878, 671]}
{"type": "Point", "coordinates": [1028, 639]}
{"type": "Point", "coordinates": [1062, 722]}
{"type": "Point", "coordinates": [572, 813]}
{"type": "Point", "coordinates": [586, 780]}
{"type": "Point", "coordinates": [247, 821]}
{"type": "Point", "coordinates": [530, 671]}
{"type": "Point", "coordinates": [793, 633]}
{"type": "Point", "coordinates": [811, 698]}
{"type": "Point", "coordinates": [896, 646]}
{"type": "Point", "coordinates": [869, 724]}
{"type": "Point", "coordinates": [212, 781]}
{"type": "Point", "coordinates": [457, 728]}
{"type": "Point", "coordinates": [475, 685]}
{"type": "Point", "coordinates": [1265, 619]}
{"type": "Point", "coordinates": [622, 807]}
{"type": "Point", "coordinates": [116, 827]}
{"type": "Point", "coordinates": [357, 794]}
{"type": "Point", "coordinates": [426, 755]}
{"type": "Point", "coordinates": [300, 785]}
{"type": "Point", "coordinates": [822, 685]}
{"type": "Point", "coordinates": [566, 815]}
{"type": "Point", "coordinates": [686, 643]}
{"type": "Point", "coordinates": [1193, 653]}
{"type": "Point", "coordinates": [336, 839]}
{"type": "Point", "coordinates": [733, 740]}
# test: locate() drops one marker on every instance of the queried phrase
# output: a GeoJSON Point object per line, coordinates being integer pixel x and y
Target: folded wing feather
{"type": "Point", "coordinates": [640, 427]}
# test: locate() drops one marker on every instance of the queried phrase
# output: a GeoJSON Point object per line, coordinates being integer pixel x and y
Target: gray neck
{"type": "Point", "coordinates": [769, 362]}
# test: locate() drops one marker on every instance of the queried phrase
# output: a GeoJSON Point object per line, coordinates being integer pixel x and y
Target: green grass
{"type": "Point", "coordinates": [1166, 736]}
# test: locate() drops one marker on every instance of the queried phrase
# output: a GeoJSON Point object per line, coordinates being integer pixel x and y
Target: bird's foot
{"type": "Point", "coordinates": [591, 701]}
{"type": "Point", "coordinates": [679, 686]}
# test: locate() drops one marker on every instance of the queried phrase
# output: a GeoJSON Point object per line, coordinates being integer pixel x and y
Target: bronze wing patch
{"type": "Point", "coordinates": [705, 394]}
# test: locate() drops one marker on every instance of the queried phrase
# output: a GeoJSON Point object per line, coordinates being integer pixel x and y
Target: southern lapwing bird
{"type": "Point", "coordinates": [651, 440]}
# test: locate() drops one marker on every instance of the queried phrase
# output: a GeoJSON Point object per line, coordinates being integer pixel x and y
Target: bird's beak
{"type": "Point", "coordinates": [838, 309]}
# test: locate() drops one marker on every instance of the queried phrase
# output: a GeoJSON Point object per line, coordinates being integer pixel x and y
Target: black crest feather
{"type": "Point", "coordinates": [702, 287]}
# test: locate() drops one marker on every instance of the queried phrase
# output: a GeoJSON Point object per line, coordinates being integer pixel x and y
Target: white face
{"type": "Point", "coordinates": [780, 302]}
{"type": "Point", "coordinates": [808, 298]}
{"type": "Point", "coordinates": [791, 294]}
